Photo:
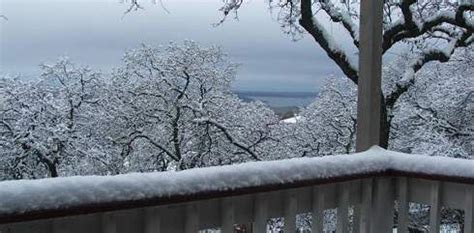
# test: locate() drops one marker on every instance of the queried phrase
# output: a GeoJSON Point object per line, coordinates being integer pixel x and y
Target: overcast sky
{"type": "Point", "coordinates": [96, 33]}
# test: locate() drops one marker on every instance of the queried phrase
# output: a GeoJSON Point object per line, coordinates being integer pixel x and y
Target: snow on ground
{"type": "Point", "coordinates": [291, 119]}
{"type": "Point", "coordinates": [58, 193]}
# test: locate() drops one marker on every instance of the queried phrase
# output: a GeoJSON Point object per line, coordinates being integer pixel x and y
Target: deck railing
{"type": "Point", "coordinates": [362, 187]}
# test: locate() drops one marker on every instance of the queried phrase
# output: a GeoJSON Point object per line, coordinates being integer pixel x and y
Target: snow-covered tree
{"type": "Point", "coordinates": [45, 124]}
{"type": "Point", "coordinates": [174, 108]}
{"type": "Point", "coordinates": [436, 115]}
{"type": "Point", "coordinates": [326, 126]}
{"type": "Point", "coordinates": [333, 113]}
{"type": "Point", "coordinates": [433, 30]}
{"type": "Point", "coordinates": [167, 107]}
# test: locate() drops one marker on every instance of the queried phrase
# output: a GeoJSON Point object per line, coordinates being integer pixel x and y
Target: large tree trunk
{"type": "Point", "coordinates": [53, 171]}
{"type": "Point", "coordinates": [384, 124]}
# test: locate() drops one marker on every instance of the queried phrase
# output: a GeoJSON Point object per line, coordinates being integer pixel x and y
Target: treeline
{"type": "Point", "coordinates": [172, 108]}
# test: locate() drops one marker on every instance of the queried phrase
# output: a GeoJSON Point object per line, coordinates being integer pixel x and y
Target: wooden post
{"type": "Point", "coordinates": [366, 205]}
{"type": "Point", "coordinates": [403, 205]}
{"type": "Point", "coordinates": [109, 224]}
{"type": "Point", "coordinates": [469, 210]}
{"type": "Point", "coordinates": [291, 205]}
{"type": "Point", "coordinates": [227, 215]}
{"type": "Point", "coordinates": [370, 72]}
{"type": "Point", "coordinates": [260, 215]}
{"type": "Point", "coordinates": [435, 208]}
{"type": "Point", "coordinates": [382, 206]}
{"type": "Point", "coordinates": [318, 201]}
{"type": "Point", "coordinates": [59, 226]}
{"type": "Point", "coordinates": [342, 224]}
{"type": "Point", "coordinates": [152, 220]}
{"type": "Point", "coordinates": [192, 218]}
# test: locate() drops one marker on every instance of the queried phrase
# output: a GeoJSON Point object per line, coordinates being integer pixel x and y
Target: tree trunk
{"type": "Point", "coordinates": [53, 171]}
{"type": "Point", "coordinates": [384, 124]}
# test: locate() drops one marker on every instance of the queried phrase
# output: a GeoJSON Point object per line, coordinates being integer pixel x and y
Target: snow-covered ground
{"type": "Point", "coordinates": [292, 119]}
{"type": "Point", "coordinates": [57, 193]}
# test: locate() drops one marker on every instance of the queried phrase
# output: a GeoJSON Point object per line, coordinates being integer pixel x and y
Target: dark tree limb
{"type": "Point", "coordinates": [318, 33]}
{"type": "Point", "coordinates": [408, 28]}
{"type": "Point", "coordinates": [338, 17]}
{"type": "Point", "coordinates": [231, 139]}
{"type": "Point", "coordinates": [439, 55]}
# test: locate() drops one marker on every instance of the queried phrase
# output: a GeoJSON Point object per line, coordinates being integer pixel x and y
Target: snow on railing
{"type": "Point", "coordinates": [213, 197]}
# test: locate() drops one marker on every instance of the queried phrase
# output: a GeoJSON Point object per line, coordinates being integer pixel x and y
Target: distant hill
{"type": "Point", "coordinates": [285, 104]}
{"type": "Point", "coordinates": [286, 112]}
{"type": "Point", "coordinates": [276, 94]}
{"type": "Point", "coordinates": [278, 99]}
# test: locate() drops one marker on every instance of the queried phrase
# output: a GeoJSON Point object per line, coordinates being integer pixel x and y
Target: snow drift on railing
{"type": "Point", "coordinates": [23, 196]}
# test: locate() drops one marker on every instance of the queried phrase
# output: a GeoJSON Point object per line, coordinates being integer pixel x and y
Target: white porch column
{"type": "Point", "coordinates": [370, 69]}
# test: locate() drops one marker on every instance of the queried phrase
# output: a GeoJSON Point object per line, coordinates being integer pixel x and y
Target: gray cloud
{"type": "Point", "coordinates": [97, 33]}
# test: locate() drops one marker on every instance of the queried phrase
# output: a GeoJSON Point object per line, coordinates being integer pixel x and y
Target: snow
{"type": "Point", "coordinates": [22, 196]}
{"type": "Point", "coordinates": [395, 24]}
{"type": "Point", "coordinates": [332, 44]}
{"type": "Point", "coordinates": [292, 120]}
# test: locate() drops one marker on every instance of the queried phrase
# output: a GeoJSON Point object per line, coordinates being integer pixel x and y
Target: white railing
{"type": "Point", "coordinates": [365, 191]}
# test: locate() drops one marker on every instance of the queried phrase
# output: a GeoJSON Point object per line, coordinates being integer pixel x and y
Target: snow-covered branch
{"type": "Point", "coordinates": [340, 15]}
{"type": "Point", "coordinates": [409, 27]}
{"type": "Point", "coordinates": [326, 41]}
{"type": "Point", "coordinates": [440, 55]}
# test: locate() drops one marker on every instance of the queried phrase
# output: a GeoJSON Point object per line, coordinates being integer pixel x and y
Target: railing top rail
{"type": "Point", "coordinates": [24, 200]}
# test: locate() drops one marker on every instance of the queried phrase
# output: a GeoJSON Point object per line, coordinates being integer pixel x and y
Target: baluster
{"type": "Point", "coordinates": [318, 209]}
{"type": "Point", "coordinates": [109, 224]}
{"type": "Point", "coordinates": [366, 206]}
{"type": "Point", "coordinates": [435, 209]}
{"type": "Point", "coordinates": [152, 220]}
{"type": "Point", "coordinates": [260, 213]}
{"type": "Point", "coordinates": [469, 209]}
{"type": "Point", "coordinates": [383, 205]}
{"type": "Point", "coordinates": [192, 218]}
{"type": "Point", "coordinates": [60, 226]}
{"type": "Point", "coordinates": [402, 205]}
{"type": "Point", "coordinates": [356, 211]}
{"type": "Point", "coordinates": [356, 219]}
{"type": "Point", "coordinates": [291, 205]}
{"type": "Point", "coordinates": [342, 225]}
{"type": "Point", "coordinates": [227, 215]}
